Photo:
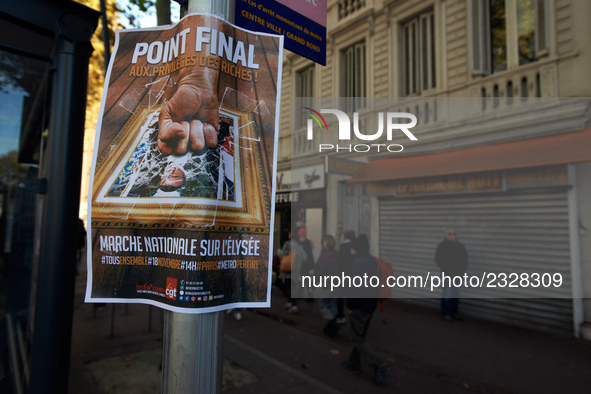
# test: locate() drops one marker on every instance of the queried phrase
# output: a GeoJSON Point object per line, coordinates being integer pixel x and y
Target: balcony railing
{"type": "Point", "coordinates": [445, 123]}
{"type": "Point", "coordinates": [349, 7]}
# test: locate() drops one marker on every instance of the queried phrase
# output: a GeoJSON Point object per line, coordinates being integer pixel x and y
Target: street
{"type": "Point", "coordinates": [270, 350]}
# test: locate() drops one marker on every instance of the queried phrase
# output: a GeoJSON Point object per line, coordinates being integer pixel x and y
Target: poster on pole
{"type": "Point", "coordinates": [182, 186]}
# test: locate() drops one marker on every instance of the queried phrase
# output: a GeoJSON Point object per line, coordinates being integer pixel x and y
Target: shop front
{"type": "Point", "coordinates": [515, 213]}
{"type": "Point", "coordinates": [300, 201]}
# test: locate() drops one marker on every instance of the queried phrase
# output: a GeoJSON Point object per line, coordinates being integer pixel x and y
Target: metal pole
{"type": "Point", "coordinates": [192, 357]}
{"type": "Point", "coordinates": [112, 322]}
{"type": "Point", "coordinates": [106, 44]}
{"type": "Point", "coordinates": [54, 304]}
{"type": "Point", "coordinates": [149, 318]}
{"type": "Point", "coordinates": [224, 9]}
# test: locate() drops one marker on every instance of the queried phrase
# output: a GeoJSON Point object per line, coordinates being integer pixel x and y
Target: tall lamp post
{"type": "Point", "coordinates": [192, 358]}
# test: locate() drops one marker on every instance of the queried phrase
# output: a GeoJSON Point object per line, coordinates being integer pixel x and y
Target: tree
{"type": "Point", "coordinates": [12, 172]}
{"type": "Point", "coordinates": [96, 71]}
{"type": "Point", "coordinates": [134, 8]}
{"type": "Point", "coordinates": [12, 70]}
{"type": "Point", "coordinates": [96, 80]}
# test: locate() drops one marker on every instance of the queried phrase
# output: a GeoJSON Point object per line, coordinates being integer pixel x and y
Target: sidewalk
{"type": "Point", "coordinates": [271, 351]}
{"type": "Point", "coordinates": [428, 354]}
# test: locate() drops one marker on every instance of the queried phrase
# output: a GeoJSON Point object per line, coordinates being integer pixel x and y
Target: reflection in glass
{"type": "Point", "coordinates": [526, 13]}
{"type": "Point", "coordinates": [22, 106]}
{"type": "Point", "coordinates": [498, 29]}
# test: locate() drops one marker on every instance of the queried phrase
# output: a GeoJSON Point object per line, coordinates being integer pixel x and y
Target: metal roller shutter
{"type": "Point", "coordinates": [524, 231]}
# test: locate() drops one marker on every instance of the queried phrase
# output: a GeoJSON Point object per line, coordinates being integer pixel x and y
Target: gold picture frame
{"type": "Point", "coordinates": [249, 209]}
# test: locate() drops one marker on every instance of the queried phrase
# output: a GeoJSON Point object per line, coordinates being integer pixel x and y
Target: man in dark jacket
{"type": "Point", "coordinates": [452, 259]}
{"type": "Point", "coordinates": [328, 266]}
{"type": "Point", "coordinates": [361, 304]}
{"type": "Point", "coordinates": [308, 264]}
{"type": "Point", "coordinates": [345, 260]}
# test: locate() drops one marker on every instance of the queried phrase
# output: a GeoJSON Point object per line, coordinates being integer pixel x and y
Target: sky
{"type": "Point", "coordinates": [11, 106]}
{"type": "Point", "coordinates": [148, 19]}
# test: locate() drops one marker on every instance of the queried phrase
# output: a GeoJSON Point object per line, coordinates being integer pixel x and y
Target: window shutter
{"type": "Point", "coordinates": [542, 29]}
{"type": "Point", "coordinates": [480, 36]}
{"type": "Point", "coordinates": [304, 87]}
{"type": "Point", "coordinates": [361, 75]}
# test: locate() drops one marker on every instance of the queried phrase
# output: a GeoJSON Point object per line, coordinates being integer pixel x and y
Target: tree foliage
{"type": "Point", "coordinates": [133, 10]}
{"type": "Point", "coordinates": [96, 70]}
{"type": "Point", "coordinates": [12, 71]}
{"type": "Point", "coordinates": [12, 171]}
{"type": "Point", "coordinates": [96, 73]}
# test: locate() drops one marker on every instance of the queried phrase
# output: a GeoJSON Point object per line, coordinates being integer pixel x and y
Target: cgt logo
{"type": "Point", "coordinates": [171, 288]}
{"type": "Point", "coordinates": [344, 132]}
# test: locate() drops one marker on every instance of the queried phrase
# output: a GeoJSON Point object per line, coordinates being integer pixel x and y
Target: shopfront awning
{"type": "Point", "coordinates": [557, 149]}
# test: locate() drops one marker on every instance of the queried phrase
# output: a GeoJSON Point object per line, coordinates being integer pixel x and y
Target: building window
{"type": "Point", "coordinates": [507, 33]}
{"type": "Point", "coordinates": [418, 57]}
{"type": "Point", "coordinates": [353, 75]}
{"type": "Point", "coordinates": [304, 88]}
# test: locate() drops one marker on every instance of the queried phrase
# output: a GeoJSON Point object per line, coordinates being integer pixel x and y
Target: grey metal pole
{"type": "Point", "coordinates": [192, 357]}
{"type": "Point", "coordinates": [224, 9]}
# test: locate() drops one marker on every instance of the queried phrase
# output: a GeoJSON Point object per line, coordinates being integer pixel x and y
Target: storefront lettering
{"type": "Point", "coordinates": [553, 174]}
{"type": "Point", "coordinates": [286, 198]}
{"type": "Point", "coordinates": [492, 181]}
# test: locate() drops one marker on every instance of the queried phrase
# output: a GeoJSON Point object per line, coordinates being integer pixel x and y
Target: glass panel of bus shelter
{"type": "Point", "coordinates": [23, 114]}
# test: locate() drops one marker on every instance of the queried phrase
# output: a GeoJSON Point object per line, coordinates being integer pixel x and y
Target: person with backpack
{"type": "Point", "coordinates": [308, 263]}
{"type": "Point", "coordinates": [361, 304]}
{"type": "Point", "coordinates": [292, 256]}
{"type": "Point", "coordinates": [326, 266]}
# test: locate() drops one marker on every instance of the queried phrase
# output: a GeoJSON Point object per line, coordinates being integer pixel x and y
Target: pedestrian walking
{"type": "Point", "coordinates": [308, 263]}
{"type": "Point", "coordinates": [292, 257]}
{"type": "Point", "coordinates": [452, 258]}
{"type": "Point", "coordinates": [328, 266]}
{"type": "Point", "coordinates": [345, 260]}
{"type": "Point", "coordinates": [361, 305]}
